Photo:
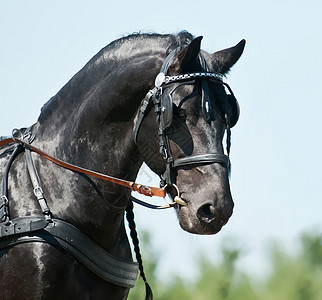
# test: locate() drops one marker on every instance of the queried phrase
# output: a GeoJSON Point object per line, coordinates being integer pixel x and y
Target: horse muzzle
{"type": "Point", "coordinates": [205, 211]}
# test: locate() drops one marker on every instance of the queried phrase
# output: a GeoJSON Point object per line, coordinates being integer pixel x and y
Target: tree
{"type": "Point", "coordinates": [293, 277]}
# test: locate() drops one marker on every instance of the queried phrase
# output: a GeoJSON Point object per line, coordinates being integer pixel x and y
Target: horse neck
{"type": "Point", "coordinates": [95, 126]}
{"type": "Point", "coordinates": [94, 130]}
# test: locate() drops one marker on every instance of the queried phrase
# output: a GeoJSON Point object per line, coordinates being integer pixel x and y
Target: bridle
{"type": "Point", "coordinates": [161, 97]}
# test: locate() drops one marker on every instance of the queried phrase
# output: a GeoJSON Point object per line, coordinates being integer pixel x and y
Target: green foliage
{"type": "Point", "coordinates": [297, 277]}
{"type": "Point", "coordinates": [293, 276]}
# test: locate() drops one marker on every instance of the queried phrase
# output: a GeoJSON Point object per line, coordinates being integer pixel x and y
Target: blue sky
{"type": "Point", "coordinates": [276, 146]}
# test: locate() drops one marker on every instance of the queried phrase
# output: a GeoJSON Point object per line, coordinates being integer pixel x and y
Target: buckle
{"type": "Point", "coordinates": [4, 200]}
{"type": "Point", "coordinates": [145, 190]}
{"type": "Point", "coordinates": [38, 192]}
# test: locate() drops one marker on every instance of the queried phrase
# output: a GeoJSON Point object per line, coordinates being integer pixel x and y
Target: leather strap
{"type": "Point", "coordinates": [142, 111]}
{"type": "Point", "coordinates": [141, 189]}
{"type": "Point", "coordinates": [6, 142]}
{"type": "Point", "coordinates": [69, 238]}
{"type": "Point", "coordinates": [152, 206]}
{"type": "Point", "coordinates": [211, 158]}
{"type": "Point", "coordinates": [21, 226]}
{"type": "Point", "coordinates": [35, 182]}
{"type": "Point", "coordinates": [4, 202]}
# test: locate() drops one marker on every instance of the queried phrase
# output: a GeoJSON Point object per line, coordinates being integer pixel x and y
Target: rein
{"type": "Point", "coordinates": [141, 189]}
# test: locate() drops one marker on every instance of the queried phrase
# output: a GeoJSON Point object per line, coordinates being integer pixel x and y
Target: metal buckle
{"type": "Point", "coordinates": [4, 200]}
{"type": "Point", "coordinates": [17, 135]}
{"type": "Point", "coordinates": [38, 192]}
{"type": "Point", "coordinates": [145, 190]}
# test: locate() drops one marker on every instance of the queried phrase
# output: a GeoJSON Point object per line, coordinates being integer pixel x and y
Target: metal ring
{"type": "Point", "coordinates": [177, 199]}
{"type": "Point", "coordinates": [177, 189]}
{"type": "Point", "coordinates": [169, 195]}
{"type": "Point", "coordinates": [17, 139]}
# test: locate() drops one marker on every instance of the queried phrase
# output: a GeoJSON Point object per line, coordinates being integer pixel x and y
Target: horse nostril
{"type": "Point", "coordinates": [206, 213]}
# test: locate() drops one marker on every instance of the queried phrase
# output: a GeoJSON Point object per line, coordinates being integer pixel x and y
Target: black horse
{"type": "Point", "coordinates": [149, 98]}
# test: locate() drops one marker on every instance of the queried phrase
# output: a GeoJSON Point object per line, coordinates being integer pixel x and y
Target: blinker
{"type": "Point", "coordinates": [228, 103]}
{"type": "Point", "coordinates": [166, 110]}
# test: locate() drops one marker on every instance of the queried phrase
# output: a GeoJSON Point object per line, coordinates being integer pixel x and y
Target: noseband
{"type": "Point", "coordinates": [163, 107]}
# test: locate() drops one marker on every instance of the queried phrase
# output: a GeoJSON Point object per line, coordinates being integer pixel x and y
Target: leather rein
{"type": "Point", "coordinates": [141, 189]}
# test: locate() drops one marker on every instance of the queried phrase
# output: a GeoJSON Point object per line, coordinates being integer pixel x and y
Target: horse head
{"type": "Point", "coordinates": [184, 144]}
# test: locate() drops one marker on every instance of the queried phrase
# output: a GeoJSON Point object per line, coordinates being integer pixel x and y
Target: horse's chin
{"type": "Point", "coordinates": [190, 223]}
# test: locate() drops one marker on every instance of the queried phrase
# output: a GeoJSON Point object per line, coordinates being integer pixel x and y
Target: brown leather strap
{"type": "Point", "coordinates": [141, 189]}
{"type": "Point", "coordinates": [6, 142]}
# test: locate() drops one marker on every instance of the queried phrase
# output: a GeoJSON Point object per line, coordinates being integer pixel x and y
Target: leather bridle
{"type": "Point", "coordinates": [163, 107]}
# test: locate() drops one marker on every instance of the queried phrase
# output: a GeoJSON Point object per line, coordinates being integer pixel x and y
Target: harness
{"type": "Point", "coordinates": [63, 235]}
{"type": "Point", "coordinates": [58, 232]}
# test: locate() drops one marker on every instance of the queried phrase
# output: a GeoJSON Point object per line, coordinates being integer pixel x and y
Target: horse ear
{"type": "Point", "coordinates": [186, 56]}
{"type": "Point", "coordinates": [226, 58]}
{"type": "Point", "coordinates": [190, 53]}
